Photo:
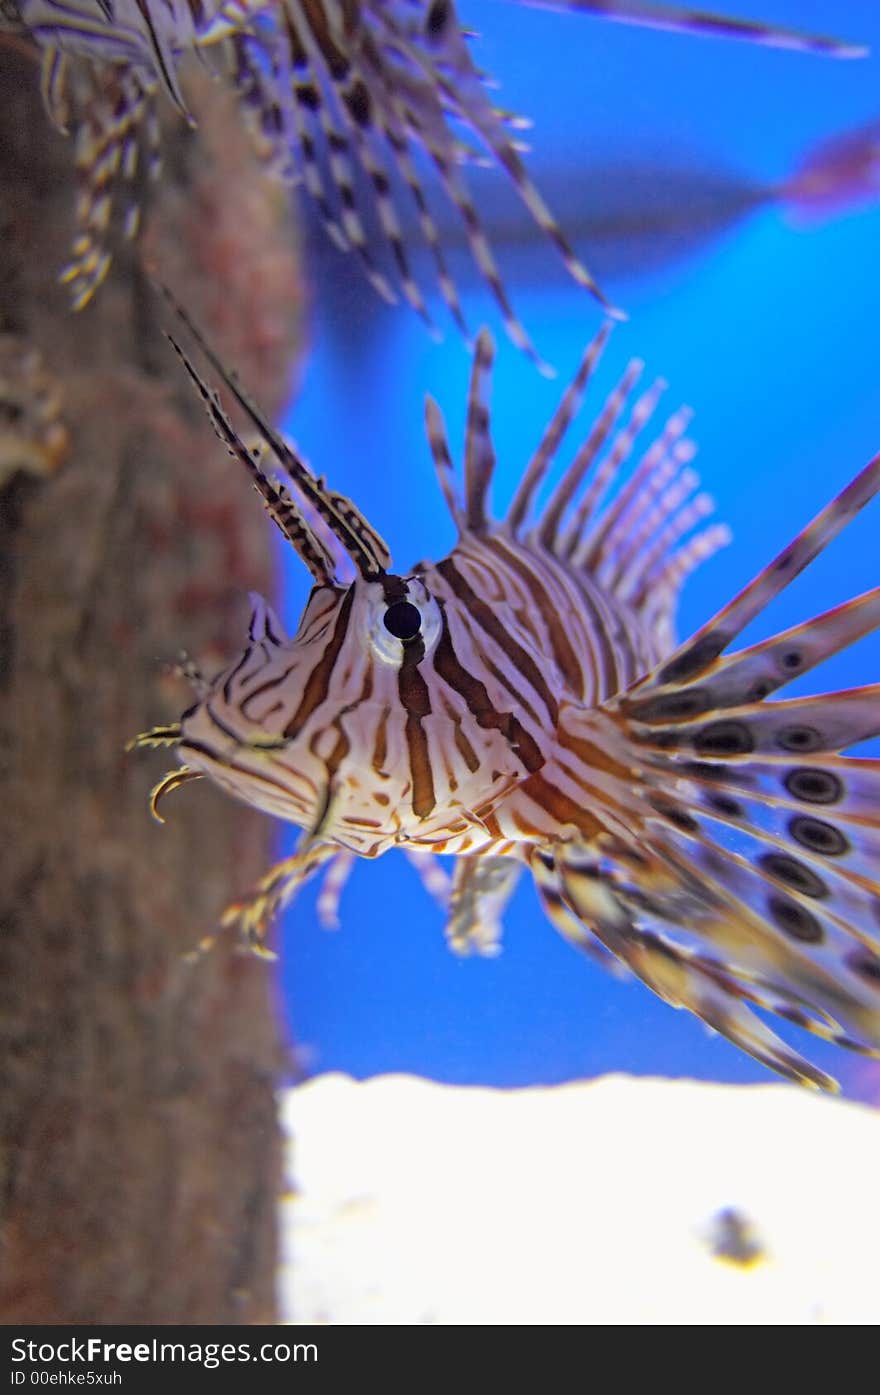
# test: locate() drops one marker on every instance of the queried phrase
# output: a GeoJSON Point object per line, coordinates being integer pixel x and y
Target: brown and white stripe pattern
{"type": "Point", "coordinates": [345, 96]}
{"type": "Point", "coordinates": [522, 702]}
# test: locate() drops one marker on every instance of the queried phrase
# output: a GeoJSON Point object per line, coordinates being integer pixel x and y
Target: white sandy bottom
{"type": "Point", "coordinates": [603, 1202]}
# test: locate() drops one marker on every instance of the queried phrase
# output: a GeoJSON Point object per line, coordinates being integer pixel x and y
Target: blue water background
{"type": "Point", "coordinates": [667, 148]}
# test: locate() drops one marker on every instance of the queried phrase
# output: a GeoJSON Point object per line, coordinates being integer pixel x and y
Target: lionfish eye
{"type": "Point", "coordinates": [402, 620]}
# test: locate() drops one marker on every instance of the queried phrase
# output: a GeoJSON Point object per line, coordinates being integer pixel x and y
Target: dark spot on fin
{"type": "Point", "coordinates": [797, 923]}
{"type": "Point", "coordinates": [357, 99]}
{"type": "Point", "coordinates": [437, 18]}
{"type": "Point", "coordinates": [814, 786]}
{"type": "Point", "coordinates": [818, 836]}
{"type": "Point", "coordinates": [723, 804]}
{"type": "Point", "coordinates": [794, 874]}
{"type": "Point", "coordinates": [676, 816]}
{"type": "Point", "coordinates": [669, 706]}
{"type": "Point", "coordinates": [866, 964]}
{"type": "Point", "coordinates": [799, 738]}
{"type": "Point", "coordinates": [724, 738]}
{"type": "Point", "coordinates": [693, 660]}
{"type": "Point", "coordinates": [761, 688]}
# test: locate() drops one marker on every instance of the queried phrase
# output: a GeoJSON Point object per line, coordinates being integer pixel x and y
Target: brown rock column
{"type": "Point", "coordinates": [139, 1146]}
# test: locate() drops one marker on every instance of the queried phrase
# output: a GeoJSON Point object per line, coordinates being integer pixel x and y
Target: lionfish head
{"type": "Point", "coordinates": [334, 728]}
{"type": "Point", "coordinates": [313, 727]}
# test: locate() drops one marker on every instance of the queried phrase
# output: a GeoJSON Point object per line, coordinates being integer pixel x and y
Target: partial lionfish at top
{"type": "Point", "coordinates": [342, 95]}
{"type": "Point", "coordinates": [523, 704]}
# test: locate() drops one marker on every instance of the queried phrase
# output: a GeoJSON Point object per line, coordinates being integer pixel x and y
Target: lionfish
{"type": "Point", "coordinates": [523, 704]}
{"type": "Point", "coordinates": [346, 97]}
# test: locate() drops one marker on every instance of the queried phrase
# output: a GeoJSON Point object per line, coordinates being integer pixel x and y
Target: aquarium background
{"type": "Point", "coordinates": [665, 158]}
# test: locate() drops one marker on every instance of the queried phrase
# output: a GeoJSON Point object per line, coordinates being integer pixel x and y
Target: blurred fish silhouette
{"type": "Point", "coordinates": [637, 214]}
{"type": "Point", "coordinates": [524, 704]}
{"type": "Point", "coordinates": [343, 96]}
{"type": "Point", "coordinates": [836, 177]}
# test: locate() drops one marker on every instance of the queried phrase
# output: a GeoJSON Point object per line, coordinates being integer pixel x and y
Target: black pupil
{"type": "Point", "coordinates": [402, 620]}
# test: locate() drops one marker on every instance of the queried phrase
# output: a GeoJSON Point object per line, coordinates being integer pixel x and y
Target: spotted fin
{"type": "Point", "coordinates": [702, 982]}
{"type": "Point", "coordinates": [697, 659]}
{"type": "Point", "coordinates": [741, 858]}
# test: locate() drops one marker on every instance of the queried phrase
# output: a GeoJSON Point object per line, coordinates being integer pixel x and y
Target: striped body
{"type": "Point", "coordinates": [523, 703]}
{"type": "Point", "coordinates": [442, 754]}
{"type": "Point", "coordinates": [346, 97]}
